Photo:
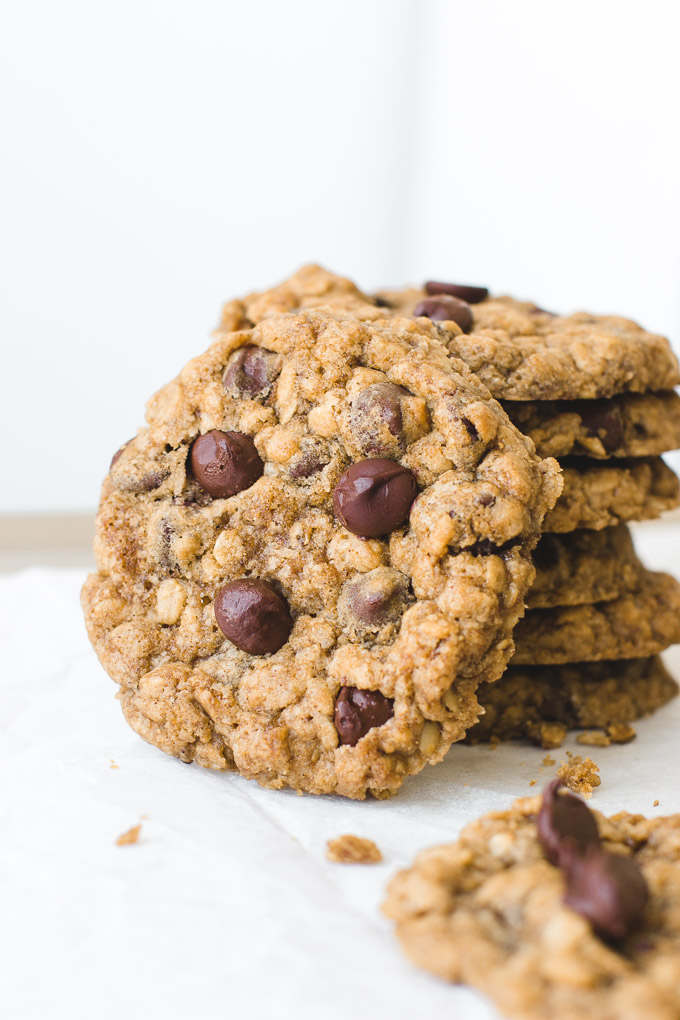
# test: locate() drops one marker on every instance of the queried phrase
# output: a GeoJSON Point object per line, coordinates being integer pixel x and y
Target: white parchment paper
{"type": "Point", "coordinates": [226, 907]}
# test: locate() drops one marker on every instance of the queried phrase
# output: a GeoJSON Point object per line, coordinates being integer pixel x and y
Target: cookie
{"type": "Point", "coordinates": [520, 351]}
{"type": "Point", "coordinates": [582, 567]}
{"type": "Point", "coordinates": [489, 911]}
{"type": "Point", "coordinates": [627, 425]}
{"type": "Point", "coordinates": [641, 623]}
{"type": "Point", "coordinates": [597, 495]}
{"type": "Point", "coordinates": [313, 554]}
{"type": "Point", "coordinates": [576, 696]}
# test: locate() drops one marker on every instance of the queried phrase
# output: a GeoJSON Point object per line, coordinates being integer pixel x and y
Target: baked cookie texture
{"type": "Point", "coordinates": [527, 702]}
{"type": "Point", "coordinates": [584, 566]}
{"type": "Point", "coordinates": [488, 911]}
{"type": "Point", "coordinates": [627, 425]}
{"type": "Point", "coordinates": [519, 350]}
{"type": "Point", "coordinates": [644, 622]}
{"type": "Point", "coordinates": [377, 644]}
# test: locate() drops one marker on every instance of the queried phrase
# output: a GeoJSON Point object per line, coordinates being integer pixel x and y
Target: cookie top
{"type": "Point", "coordinates": [314, 552]}
{"type": "Point", "coordinates": [489, 911]}
{"type": "Point", "coordinates": [519, 350]}
{"type": "Point", "coordinates": [643, 622]}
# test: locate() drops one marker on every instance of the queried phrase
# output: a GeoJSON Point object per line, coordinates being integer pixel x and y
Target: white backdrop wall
{"type": "Point", "coordinates": [158, 157]}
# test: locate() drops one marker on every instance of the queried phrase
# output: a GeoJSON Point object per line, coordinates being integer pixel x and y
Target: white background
{"type": "Point", "coordinates": [159, 157]}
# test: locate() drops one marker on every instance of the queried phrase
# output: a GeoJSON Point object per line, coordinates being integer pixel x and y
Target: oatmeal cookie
{"type": "Point", "coordinates": [519, 350]}
{"type": "Point", "coordinates": [576, 695]}
{"type": "Point", "coordinates": [489, 910]}
{"type": "Point", "coordinates": [642, 623]}
{"type": "Point", "coordinates": [584, 566]}
{"type": "Point", "coordinates": [314, 552]}
{"type": "Point", "coordinates": [598, 495]}
{"type": "Point", "coordinates": [627, 425]}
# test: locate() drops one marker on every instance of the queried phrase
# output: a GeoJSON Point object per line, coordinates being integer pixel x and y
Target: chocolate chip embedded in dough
{"type": "Point", "coordinates": [609, 890]}
{"type": "Point", "coordinates": [603, 420]}
{"type": "Point", "coordinates": [563, 819]}
{"type": "Point", "coordinates": [375, 598]}
{"type": "Point", "coordinates": [357, 712]}
{"type": "Point", "coordinates": [376, 420]}
{"type": "Point", "coordinates": [374, 496]}
{"type": "Point", "coordinates": [251, 371]}
{"type": "Point", "coordinates": [473, 295]}
{"type": "Point", "coordinates": [224, 463]}
{"type": "Point", "coordinates": [253, 615]}
{"type": "Point", "coordinates": [445, 309]}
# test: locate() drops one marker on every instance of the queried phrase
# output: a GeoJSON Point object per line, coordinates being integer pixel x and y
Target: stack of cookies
{"type": "Point", "coordinates": [595, 392]}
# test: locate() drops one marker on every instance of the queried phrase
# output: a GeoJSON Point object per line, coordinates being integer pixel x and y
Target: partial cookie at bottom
{"type": "Point", "coordinates": [488, 911]}
{"type": "Point", "coordinates": [530, 702]}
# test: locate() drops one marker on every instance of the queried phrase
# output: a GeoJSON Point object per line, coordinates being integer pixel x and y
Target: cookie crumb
{"type": "Point", "coordinates": [548, 761]}
{"type": "Point", "coordinates": [548, 735]}
{"type": "Point", "coordinates": [656, 803]}
{"type": "Point", "coordinates": [621, 733]}
{"type": "Point", "coordinates": [579, 774]}
{"type": "Point", "coordinates": [494, 742]}
{"type": "Point", "coordinates": [129, 837]}
{"type": "Point", "coordinates": [532, 782]}
{"type": "Point", "coordinates": [112, 764]}
{"type": "Point", "coordinates": [594, 738]}
{"type": "Point", "coordinates": [350, 849]}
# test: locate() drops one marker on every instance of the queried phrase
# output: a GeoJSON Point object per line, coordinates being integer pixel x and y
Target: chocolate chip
{"type": "Point", "coordinates": [253, 615]}
{"type": "Point", "coordinates": [357, 712]}
{"type": "Point", "coordinates": [564, 821]}
{"type": "Point", "coordinates": [609, 890]}
{"type": "Point", "coordinates": [304, 466]}
{"type": "Point", "coordinates": [373, 497]}
{"type": "Point", "coordinates": [381, 302]}
{"type": "Point", "coordinates": [376, 419]}
{"type": "Point", "coordinates": [446, 309]}
{"type": "Point", "coordinates": [603, 420]}
{"type": "Point", "coordinates": [251, 371]}
{"type": "Point", "coordinates": [473, 295]}
{"type": "Point", "coordinates": [374, 598]}
{"type": "Point", "coordinates": [152, 480]}
{"type": "Point", "coordinates": [224, 463]}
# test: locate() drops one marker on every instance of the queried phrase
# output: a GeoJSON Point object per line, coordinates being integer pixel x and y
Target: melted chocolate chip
{"type": "Point", "coordinates": [564, 821]}
{"type": "Point", "coordinates": [374, 598]}
{"type": "Point", "coordinates": [251, 371]}
{"type": "Point", "coordinates": [473, 295]}
{"type": "Point", "coordinates": [603, 420]}
{"type": "Point", "coordinates": [357, 712]}
{"type": "Point", "coordinates": [446, 309]}
{"type": "Point", "coordinates": [224, 463]}
{"type": "Point", "coordinates": [376, 419]}
{"type": "Point", "coordinates": [373, 497]}
{"type": "Point", "coordinates": [253, 615]}
{"type": "Point", "coordinates": [609, 890]}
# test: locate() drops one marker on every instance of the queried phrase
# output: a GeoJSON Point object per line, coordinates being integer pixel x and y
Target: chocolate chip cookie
{"type": "Point", "coordinates": [599, 495]}
{"type": "Point", "coordinates": [314, 552]}
{"type": "Point", "coordinates": [583, 567]}
{"type": "Point", "coordinates": [552, 913]}
{"type": "Point", "coordinates": [627, 425]}
{"type": "Point", "coordinates": [528, 701]}
{"type": "Point", "coordinates": [641, 623]}
{"type": "Point", "coordinates": [519, 350]}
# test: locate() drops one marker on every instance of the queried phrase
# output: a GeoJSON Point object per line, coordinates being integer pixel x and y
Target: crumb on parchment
{"type": "Point", "coordinates": [548, 761]}
{"type": "Point", "coordinates": [621, 733]}
{"type": "Point", "coordinates": [579, 774]}
{"type": "Point", "coordinates": [656, 803]}
{"type": "Point", "coordinates": [129, 837]}
{"type": "Point", "coordinates": [350, 849]}
{"type": "Point", "coordinates": [593, 738]}
{"type": "Point", "coordinates": [548, 735]}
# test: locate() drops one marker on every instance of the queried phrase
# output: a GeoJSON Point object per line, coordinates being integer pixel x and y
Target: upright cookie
{"type": "Point", "coordinates": [491, 910]}
{"type": "Point", "coordinates": [314, 553]}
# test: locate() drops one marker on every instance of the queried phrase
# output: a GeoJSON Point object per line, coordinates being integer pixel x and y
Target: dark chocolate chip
{"type": "Point", "coordinates": [483, 547]}
{"type": "Point", "coordinates": [376, 597]}
{"type": "Point", "coordinates": [152, 480]}
{"type": "Point", "coordinates": [357, 712]}
{"type": "Point", "coordinates": [373, 497]}
{"type": "Point", "coordinates": [603, 420]}
{"type": "Point", "coordinates": [609, 890]}
{"type": "Point", "coordinates": [251, 371]}
{"type": "Point", "coordinates": [486, 499]}
{"type": "Point", "coordinates": [381, 302]}
{"type": "Point", "coordinates": [306, 465]}
{"type": "Point", "coordinates": [564, 824]}
{"type": "Point", "coordinates": [253, 615]}
{"type": "Point", "coordinates": [376, 419]}
{"type": "Point", "coordinates": [473, 295]}
{"type": "Point", "coordinates": [224, 463]}
{"type": "Point", "coordinates": [118, 453]}
{"type": "Point", "coordinates": [470, 428]}
{"type": "Point", "coordinates": [446, 309]}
